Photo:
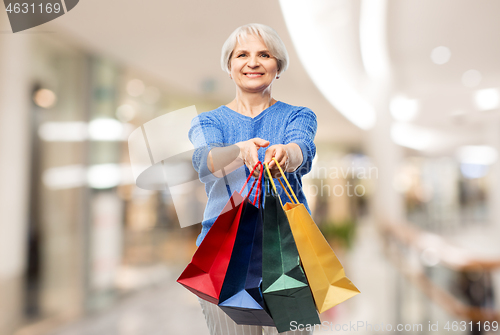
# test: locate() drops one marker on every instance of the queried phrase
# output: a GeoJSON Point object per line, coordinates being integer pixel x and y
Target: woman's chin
{"type": "Point", "coordinates": [255, 88]}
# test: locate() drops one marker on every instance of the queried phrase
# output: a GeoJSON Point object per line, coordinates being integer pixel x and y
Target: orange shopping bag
{"type": "Point", "coordinates": [325, 273]}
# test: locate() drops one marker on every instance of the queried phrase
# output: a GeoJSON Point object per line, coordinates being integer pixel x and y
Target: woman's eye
{"type": "Point", "coordinates": [265, 55]}
{"type": "Point", "coordinates": [240, 55]}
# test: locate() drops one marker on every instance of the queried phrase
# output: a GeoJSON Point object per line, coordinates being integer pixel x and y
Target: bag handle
{"type": "Point", "coordinates": [288, 184]}
{"type": "Point", "coordinates": [274, 186]}
{"type": "Point", "coordinates": [259, 186]}
{"type": "Point", "coordinates": [253, 184]}
{"type": "Point", "coordinates": [270, 179]}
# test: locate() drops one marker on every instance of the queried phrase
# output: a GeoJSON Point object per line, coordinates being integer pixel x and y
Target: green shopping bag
{"type": "Point", "coordinates": [284, 284]}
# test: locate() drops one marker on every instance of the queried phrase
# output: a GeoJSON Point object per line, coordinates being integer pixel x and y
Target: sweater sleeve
{"type": "Point", "coordinates": [301, 129]}
{"type": "Point", "coordinates": [205, 134]}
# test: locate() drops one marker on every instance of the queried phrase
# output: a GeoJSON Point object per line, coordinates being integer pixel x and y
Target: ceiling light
{"type": "Point", "coordinates": [44, 98]}
{"type": "Point", "coordinates": [373, 39]}
{"type": "Point", "coordinates": [471, 78]}
{"type": "Point", "coordinates": [106, 130]}
{"type": "Point", "coordinates": [487, 99]}
{"type": "Point", "coordinates": [63, 131]}
{"type": "Point", "coordinates": [125, 112]}
{"type": "Point", "coordinates": [104, 176]}
{"type": "Point", "coordinates": [477, 154]}
{"type": "Point", "coordinates": [440, 55]}
{"type": "Point", "coordinates": [64, 177]}
{"type": "Point", "coordinates": [325, 66]}
{"type": "Point", "coordinates": [403, 109]}
{"type": "Point", "coordinates": [411, 136]}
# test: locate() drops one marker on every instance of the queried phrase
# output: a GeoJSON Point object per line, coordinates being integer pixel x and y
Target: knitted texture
{"type": "Point", "coordinates": [280, 123]}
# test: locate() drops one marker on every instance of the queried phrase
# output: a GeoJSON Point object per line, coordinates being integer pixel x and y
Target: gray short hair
{"type": "Point", "coordinates": [270, 37]}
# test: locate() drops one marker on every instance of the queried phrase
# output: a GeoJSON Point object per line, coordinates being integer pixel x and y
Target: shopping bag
{"type": "Point", "coordinates": [205, 274]}
{"type": "Point", "coordinates": [284, 284]}
{"type": "Point", "coordinates": [241, 296]}
{"type": "Point", "coordinates": [325, 274]}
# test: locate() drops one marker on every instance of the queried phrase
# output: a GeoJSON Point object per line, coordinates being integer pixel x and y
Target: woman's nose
{"type": "Point", "coordinates": [253, 61]}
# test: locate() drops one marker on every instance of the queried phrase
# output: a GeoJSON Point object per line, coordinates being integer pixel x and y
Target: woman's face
{"type": "Point", "coordinates": [253, 68]}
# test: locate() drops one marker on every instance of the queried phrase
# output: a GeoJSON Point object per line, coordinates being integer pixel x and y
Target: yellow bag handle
{"type": "Point", "coordinates": [286, 180]}
{"type": "Point", "coordinates": [272, 182]}
{"type": "Point", "coordinates": [270, 177]}
{"type": "Point", "coordinates": [286, 192]}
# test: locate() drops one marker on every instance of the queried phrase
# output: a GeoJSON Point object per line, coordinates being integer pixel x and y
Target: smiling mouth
{"type": "Point", "coordinates": [254, 74]}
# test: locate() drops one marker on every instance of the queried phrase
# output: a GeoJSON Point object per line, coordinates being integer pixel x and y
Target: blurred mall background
{"type": "Point", "coordinates": [405, 184]}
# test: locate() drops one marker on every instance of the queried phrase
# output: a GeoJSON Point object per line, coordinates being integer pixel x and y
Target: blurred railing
{"type": "Point", "coordinates": [414, 252]}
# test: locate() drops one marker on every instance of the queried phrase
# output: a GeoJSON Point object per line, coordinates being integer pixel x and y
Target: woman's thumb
{"type": "Point", "coordinates": [260, 142]}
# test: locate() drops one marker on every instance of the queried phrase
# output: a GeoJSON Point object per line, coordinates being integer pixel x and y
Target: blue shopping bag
{"type": "Point", "coordinates": [241, 295]}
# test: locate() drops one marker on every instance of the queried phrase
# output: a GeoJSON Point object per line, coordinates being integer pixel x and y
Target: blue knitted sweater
{"type": "Point", "coordinates": [280, 123]}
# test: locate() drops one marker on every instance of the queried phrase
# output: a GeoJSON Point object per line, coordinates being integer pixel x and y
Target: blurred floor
{"type": "Point", "coordinates": [375, 278]}
{"type": "Point", "coordinates": [170, 309]}
{"type": "Point", "coordinates": [164, 309]}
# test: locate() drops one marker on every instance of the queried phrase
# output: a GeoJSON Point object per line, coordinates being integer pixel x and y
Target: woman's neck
{"type": "Point", "coordinates": [251, 104]}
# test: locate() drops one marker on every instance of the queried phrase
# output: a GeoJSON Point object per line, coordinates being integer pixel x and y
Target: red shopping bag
{"type": "Point", "coordinates": [205, 274]}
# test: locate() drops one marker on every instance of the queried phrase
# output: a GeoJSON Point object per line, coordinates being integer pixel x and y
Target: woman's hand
{"type": "Point", "coordinates": [289, 157]}
{"type": "Point", "coordinates": [280, 152]}
{"type": "Point", "coordinates": [248, 153]}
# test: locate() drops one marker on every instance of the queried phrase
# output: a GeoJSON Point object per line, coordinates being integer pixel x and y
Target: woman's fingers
{"type": "Point", "coordinates": [260, 142]}
{"type": "Point", "coordinates": [269, 155]}
{"type": "Point", "coordinates": [253, 159]}
{"type": "Point", "coordinates": [281, 156]}
{"type": "Point", "coordinates": [279, 152]}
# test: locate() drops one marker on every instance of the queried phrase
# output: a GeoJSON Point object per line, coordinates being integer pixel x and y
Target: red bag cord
{"type": "Point", "coordinates": [253, 184]}
{"type": "Point", "coordinates": [259, 187]}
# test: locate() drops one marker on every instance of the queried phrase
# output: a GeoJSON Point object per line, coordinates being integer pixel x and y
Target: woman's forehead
{"type": "Point", "coordinates": [250, 38]}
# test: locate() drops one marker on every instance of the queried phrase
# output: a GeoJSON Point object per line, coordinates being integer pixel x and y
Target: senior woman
{"type": "Point", "coordinates": [253, 127]}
